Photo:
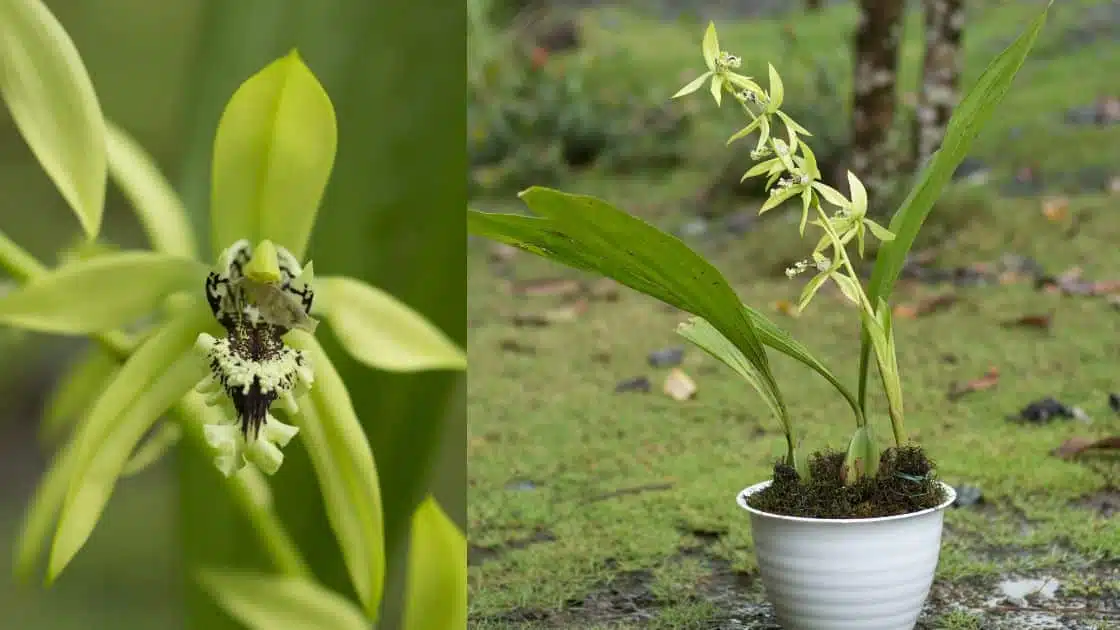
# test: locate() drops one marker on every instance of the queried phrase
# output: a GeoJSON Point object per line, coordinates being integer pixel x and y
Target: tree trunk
{"type": "Point", "coordinates": [812, 5]}
{"type": "Point", "coordinates": [940, 76]}
{"type": "Point", "coordinates": [876, 62]}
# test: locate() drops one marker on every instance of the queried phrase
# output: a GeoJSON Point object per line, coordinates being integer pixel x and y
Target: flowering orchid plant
{"type": "Point", "coordinates": [792, 172]}
{"type": "Point", "coordinates": [217, 347]}
{"type": "Point", "coordinates": [591, 235]}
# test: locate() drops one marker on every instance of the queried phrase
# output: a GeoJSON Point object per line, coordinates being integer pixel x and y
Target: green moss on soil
{"type": "Point", "coordinates": [905, 483]}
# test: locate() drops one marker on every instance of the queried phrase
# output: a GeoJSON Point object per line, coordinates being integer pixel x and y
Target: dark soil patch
{"type": "Point", "coordinates": [628, 597]}
{"type": "Point", "coordinates": [478, 554]}
{"type": "Point", "coordinates": [905, 483]}
{"type": "Point", "coordinates": [739, 603]}
{"type": "Point", "coordinates": [1106, 502]}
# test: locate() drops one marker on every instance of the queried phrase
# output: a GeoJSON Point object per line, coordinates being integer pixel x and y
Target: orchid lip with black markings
{"type": "Point", "coordinates": [258, 297]}
{"type": "Point", "coordinates": [257, 353]}
{"type": "Point", "coordinates": [252, 363]}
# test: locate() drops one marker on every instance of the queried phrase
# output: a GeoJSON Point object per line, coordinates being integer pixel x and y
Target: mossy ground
{"type": "Point", "coordinates": [593, 509]}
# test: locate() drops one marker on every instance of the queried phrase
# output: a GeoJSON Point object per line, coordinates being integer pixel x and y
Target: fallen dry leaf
{"type": "Point", "coordinates": [1056, 209]}
{"type": "Point", "coordinates": [514, 346]}
{"type": "Point", "coordinates": [988, 381]}
{"type": "Point", "coordinates": [785, 307]}
{"type": "Point", "coordinates": [546, 287]}
{"type": "Point", "coordinates": [1044, 322]}
{"type": "Point", "coordinates": [567, 313]}
{"type": "Point", "coordinates": [678, 385]}
{"type": "Point", "coordinates": [1077, 445]}
{"type": "Point", "coordinates": [605, 289]}
{"type": "Point", "coordinates": [1070, 282]}
{"type": "Point", "coordinates": [559, 315]}
{"type": "Point", "coordinates": [502, 253]}
{"type": "Point", "coordinates": [1106, 287]}
{"type": "Point", "coordinates": [1108, 110]}
{"type": "Point", "coordinates": [925, 307]}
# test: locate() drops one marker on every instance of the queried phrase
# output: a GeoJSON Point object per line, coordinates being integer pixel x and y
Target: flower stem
{"type": "Point", "coordinates": [19, 264]}
{"type": "Point", "coordinates": [842, 254]}
{"type": "Point", "coordinates": [274, 538]}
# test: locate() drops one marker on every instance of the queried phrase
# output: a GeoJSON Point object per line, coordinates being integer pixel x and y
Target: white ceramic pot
{"type": "Point", "coordinates": [847, 574]}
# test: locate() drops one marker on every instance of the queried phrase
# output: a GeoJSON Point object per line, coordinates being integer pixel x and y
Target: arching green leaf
{"type": "Point", "coordinates": [968, 118]}
{"type": "Point", "coordinates": [54, 106]}
{"type": "Point", "coordinates": [270, 602]}
{"type": "Point", "coordinates": [82, 380]}
{"type": "Point", "coordinates": [159, 209]}
{"type": "Point", "coordinates": [593, 235]}
{"type": "Point", "coordinates": [91, 485]}
{"type": "Point", "coordinates": [137, 374]}
{"type": "Point", "coordinates": [100, 293]}
{"type": "Point", "coordinates": [343, 462]}
{"type": "Point", "coordinates": [153, 449]}
{"type": "Point", "coordinates": [382, 332]}
{"type": "Point", "coordinates": [273, 155]}
{"type": "Point", "coordinates": [436, 592]}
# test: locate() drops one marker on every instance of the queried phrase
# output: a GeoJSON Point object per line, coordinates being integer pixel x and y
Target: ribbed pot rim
{"type": "Point", "coordinates": [748, 491]}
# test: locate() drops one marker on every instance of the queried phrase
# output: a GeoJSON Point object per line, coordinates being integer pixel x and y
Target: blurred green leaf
{"type": "Point", "coordinates": [81, 380]}
{"type": "Point", "coordinates": [777, 91]}
{"type": "Point", "coordinates": [54, 106]}
{"type": "Point", "coordinates": [436, 592]}
{"type": "Point", "coordinates": [101, 293]}
{"type": "Point", "coordinates": [269, 602]}
{"type": "Point", "coordinates": [343, 462]}
{"type": "Point", "coordinates": [967, 120]}
{"type": "Point", "coordinates": [710, 46]}
{"type": "Point", "coordinates": [153, 449]}
{"type": "Point", "coordinates": [90, 486]}
{"type": "Point", "coordinates": [273, 155]}
{"type": "Point", "coordinates": [137, 374]}
{"type": "Point", "coordinates": [161, 213]}
{"type": "Point", "coordinates": [382, 332]}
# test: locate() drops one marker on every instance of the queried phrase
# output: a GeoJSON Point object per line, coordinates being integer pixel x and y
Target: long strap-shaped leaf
{"type": "Point", "coordinates": [100, 293]}
{"type": "Point", "coordinates": [91, 486]}
{"type": "Point", "coordinates": [343, 462]}
{"type": "Point", "coordinates": [54, 106]}
{"type": "Point", "coordinates": [770, 334]}
{"type": "Point", "coordinates": [161, 212]}
{"type": "Point", "coordinates": [592, 235]}
{"type": "Point", "coordinates": [543, 238]}
{"type": "Point", "coordinates": [136, 375]}
{"type": "Point", "coordinates": [966, 122]}
{"type": "Point", "coordinates": [436, 592]}
{"type": "Point", "coordinates": [271, 602]}
{"type": "Point", "coordinates": [662, 255]}
{"type": "Point", "coordinates": [701, 333]}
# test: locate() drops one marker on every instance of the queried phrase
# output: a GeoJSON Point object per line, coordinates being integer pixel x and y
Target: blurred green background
{"type": "Point", "coordinates": [392, 216]}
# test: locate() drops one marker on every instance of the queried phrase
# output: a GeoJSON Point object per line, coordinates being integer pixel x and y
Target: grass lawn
{"type": "Point", "coordinates": [595, 509]}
